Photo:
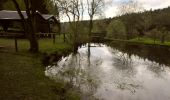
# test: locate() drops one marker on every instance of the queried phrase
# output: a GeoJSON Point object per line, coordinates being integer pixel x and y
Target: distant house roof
{"type": "Point", "coordinates": [13, 15]}
{"type": "Point", "coordinates": [4, 14]}
{"type": "Point", "coordinates": [47, 17]}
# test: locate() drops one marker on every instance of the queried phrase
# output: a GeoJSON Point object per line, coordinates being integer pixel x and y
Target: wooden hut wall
{"type": "Point", "coordinates": [42, 25]}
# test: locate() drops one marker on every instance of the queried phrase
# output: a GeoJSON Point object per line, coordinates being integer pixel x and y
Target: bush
{"type": "Point", "coordinates": [116, 29]}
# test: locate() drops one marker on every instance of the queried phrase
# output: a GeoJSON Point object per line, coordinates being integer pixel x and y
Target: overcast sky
{"type": "Point", "coordinates": [111, 10]}
{"type": "Point", "coordinates": [146, 4]}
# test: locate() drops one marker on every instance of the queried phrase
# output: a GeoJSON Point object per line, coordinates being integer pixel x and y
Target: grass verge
{"type": "Point", "coordinates": [146, 41]}
{"type": "Point", "coordinates": [22, 74]}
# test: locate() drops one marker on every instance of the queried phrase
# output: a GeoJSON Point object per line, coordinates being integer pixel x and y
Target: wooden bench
{"type": "Point", "coordinates": [50, 35]}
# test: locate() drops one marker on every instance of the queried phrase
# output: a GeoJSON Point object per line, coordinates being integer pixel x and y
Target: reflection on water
{"type": "Point", "coordinates": [110, 73]}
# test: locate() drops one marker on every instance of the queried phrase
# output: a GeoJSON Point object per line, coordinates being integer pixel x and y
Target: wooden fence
{"type": "Point", "coordinates": [16, 36]}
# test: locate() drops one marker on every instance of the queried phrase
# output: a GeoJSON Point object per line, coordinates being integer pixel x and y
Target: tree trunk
{"type": "Point", "coordinates": [88, 55]}
{"type": "Point", "coordinates": [31, 26]}
{"type": "Point", "coordinates": [90, 28]}
{"type": "Point", "coordinates": [163, 39]}
{"type": "Point", "coordinates": [128, 36]}
{"type": "Point", "coordinates": [34, 47]}
{"type": "Point", "coordinates": [64, 37]}
{"type": "Point", "coordinates": [28, 25]}
{"type": "Point", "coordinates": [154, 40]}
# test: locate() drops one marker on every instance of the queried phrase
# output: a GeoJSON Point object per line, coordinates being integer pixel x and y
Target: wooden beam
{"type": "Point", "coordinates": [1, 47]}
{"type": "Point", "coordinates": [16, 44]}
{"type": "Point", "coordinates": [53, 38]}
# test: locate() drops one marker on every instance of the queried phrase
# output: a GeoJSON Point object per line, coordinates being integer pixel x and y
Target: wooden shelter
{"type": "Point", "coordinates": [10, 21]}
{"type": "Point", "coordinates": [11, 25]}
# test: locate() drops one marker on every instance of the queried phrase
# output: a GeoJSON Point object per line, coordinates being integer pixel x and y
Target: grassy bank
{"type": "Point", "coordinates": [45, 45]}
{"type": "Point", "coordinates": [149, 41]}
{"type": "Point", "coordinates": [22, 74]}
{"type": "Point", "coordinates": [146, 41]}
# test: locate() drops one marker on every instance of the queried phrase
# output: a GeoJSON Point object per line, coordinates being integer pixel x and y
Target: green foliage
{"type": "Point", "coordinates": [116, 29]}
{"type": "Point", "coordinates": [83, 33]}
{"type": "Point", "coordinates": [39, 5]}
{"type": "Point", "coordinates": [142, 23]}
{"type": "Point", "coordinates": [51, 7]}
{"type": "Point", "coordinates": [148, 41]}
{"type": "Point", "coordinates": [154, 34]}
{"type": "Point", "coordinates": [99, 26]}
{"type": "Point", "coordinates": [8, 5]}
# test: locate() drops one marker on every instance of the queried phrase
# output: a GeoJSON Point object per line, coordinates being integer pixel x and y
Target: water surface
{"type": "Point", "coordinates": [117, 72]}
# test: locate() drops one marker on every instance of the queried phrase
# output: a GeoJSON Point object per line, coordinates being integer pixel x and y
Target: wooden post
{"type": "Point", "coordinates": [16, 44]}
{"type": "Point", "coordinates": [53, 38]}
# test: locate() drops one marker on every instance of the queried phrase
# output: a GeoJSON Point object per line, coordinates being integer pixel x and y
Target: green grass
{"type": "Point", "coordinates": [146, 41]}
{"type": "Point", "coordinates": [22, 74]}
{"type": "Point", "coordinates": [149, 41]}
{"type": "Point", "coordinates": [45, 45]}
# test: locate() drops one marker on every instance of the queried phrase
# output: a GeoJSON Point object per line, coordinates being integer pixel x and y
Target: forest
{"type": "Point", "coordinates": [145, 25]}
{"type": "Point", "coordinates": [152, 24]}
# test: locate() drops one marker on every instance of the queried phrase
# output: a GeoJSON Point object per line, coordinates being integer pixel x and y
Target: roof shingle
{"type": "Point", "coordinates": [5, 14]}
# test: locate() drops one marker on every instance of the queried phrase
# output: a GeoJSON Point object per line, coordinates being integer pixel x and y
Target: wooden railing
{"type": "Point", "coordinates": [12, 35]}
{"type": "Point", "coordinates": [50, 35]}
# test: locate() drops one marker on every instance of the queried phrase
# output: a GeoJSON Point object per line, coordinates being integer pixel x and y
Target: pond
{"type": "Point", "coordinates": [117, 71]}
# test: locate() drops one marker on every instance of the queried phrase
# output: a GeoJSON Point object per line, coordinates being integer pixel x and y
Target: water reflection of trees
{"type": "Point", "coordinates": [125, 71]}
{"type": "Point", "coordinates": [156, 68]}
{"type": "Point", "coordinates": [157, 54]}
{"type": "Point", "coordinates": [79, 70]}
{"type": "Point", "coordinates": [156, 59]}
{"type": "Point", "coordinates": [123, 62]}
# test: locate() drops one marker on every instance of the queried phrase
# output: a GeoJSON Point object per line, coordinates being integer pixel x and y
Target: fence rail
{"type": "Point", "coordinates": [15, 36]}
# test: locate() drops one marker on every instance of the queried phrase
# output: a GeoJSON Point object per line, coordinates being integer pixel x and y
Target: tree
{"type": "Point", "coordinates": [94, 8]}
{"type": "Point", "coordinates": [163, 35]}
{"type": "Point", "coordinates": [99, 26]}
{"type": "Point", "coordinates": [2, 3]}
{"type": "Point", "coordinates": [132, 20]}
{"type": "Point", "coordinates": [29, 23]}
{"type": "Point", "coordinates": [129, 6]}
{"type": "Point", "coordinates": [52, 7]}
{"type": "Point", "coordinates": [162, 23]}
{"type": "Point", "coordinates": [73, 10]}
{"type": "Point", "coordinates": [154, 34]}
{"type": "Point", "coordinates": [8, 5]}
{"type": "Point", "coordinates": [116, 29]}
{"type": "Point", "coordinates": [54, 10]}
